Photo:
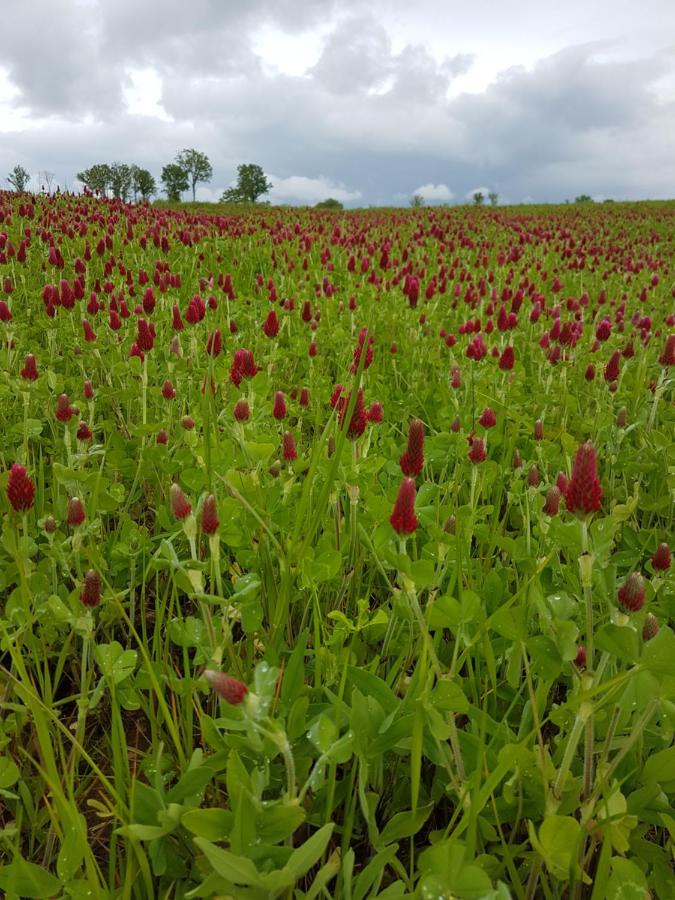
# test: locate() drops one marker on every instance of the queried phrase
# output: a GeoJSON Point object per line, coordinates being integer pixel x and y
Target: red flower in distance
{"type": "Point", "coordinates": [64, 411]}
{"type": "Point", "coordinates": [229, 688]}
{"type": "Point", "coordinates": [552, 501]}
{"type": "Point", "coordinates": [477, 452]}
{"type": "Point", "coordinates": [403, 519]}
{"type": "Point", "coordinates": [168, 390]}
{"type": "Point", "coordinates": [507, 359]}
{"type": "Point", "coordinates": [289, 451]}
{"type": "Point", "coordinates": [375, 413]}
{"type": "Point", "coordinates": [583, 494]}
{"type": "Point", "coordinates": [180, 506]}
{"type": "Point", "coordinates": [271, 324]}
{"type": "Point", "coordinates": [75, 515]}
{"type": "Point", "coordinates": [650, 628]}
{"type": "Point", "coordinates": [20, 489]}
{"type": "Point", "coordinates": [209, 521]}
{"type": "Point", "coordinates": [358, 422]}
{"type": "Point", "coordinates": [412, 461]}
{"type": "Point", "coordinates": [488, 418]}
{"type": "Point", "coordinates": [279, 408]}
{"type": "Point", "coordinates": [363, 338]}
{"type": "Point", "coordinates": [214, 344]}
{"type": "Point", "coordinates": [29, 371]}
{"type": "Point", "coordinates": [631, 595]}
{"type": "Point", "coordinates": [84, 432]}
{"type": "Point", "coordinates": [91, 590]}
{"type": "Point", "coordinates": [612, 367]}
{"type": "Point", "coordinates": [242, 411]}
{"type": "Point", "coordinates": [661, 558]}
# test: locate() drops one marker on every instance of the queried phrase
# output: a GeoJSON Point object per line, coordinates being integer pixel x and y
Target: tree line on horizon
{"type": "Point", "coordinates": [189, 168]}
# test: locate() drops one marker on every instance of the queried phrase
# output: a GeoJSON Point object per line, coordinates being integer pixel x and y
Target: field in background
{"type": "Point", "coordinates": [326, 458]}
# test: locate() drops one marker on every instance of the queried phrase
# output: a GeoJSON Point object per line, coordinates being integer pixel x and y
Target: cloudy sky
{"type": "Point", "coordinates": [369, 102]}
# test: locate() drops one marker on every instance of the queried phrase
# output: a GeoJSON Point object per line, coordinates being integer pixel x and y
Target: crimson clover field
{"type": "Point", "coordinates": [336, 551]}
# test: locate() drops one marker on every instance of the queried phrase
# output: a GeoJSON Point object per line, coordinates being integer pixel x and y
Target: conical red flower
{"type": "Point", "coordinates": [75, 514]}
{"type": "Point", "coordinates": [488, 418]}
{"type": "Point", "coordinates": [288, 446]}
{"type": "Point", "coordinates": [242, 410]}
{"type": "Point", "coordinates": [359, 420]}
{"type": "Point", "coordinates": [507, 359]}
{"type": "Point", "coordinates": [375, 413]}
{"type": "Point", "coordinates": [584, 491]}
{"type": "Point", "coordinates": [91, 590]}
{"type": "Point", "coordinates": [403, 519]}
{"type": "Point", "coordinates": [631, 595]}
{"type": "Point", "coordinates": [209, 521]}
{"type": "Point", "coordinates": [650, 628]}
{"type": "Point", "coordinates": [279, 408]}
{"type": "Point", "coordinates": [29, 370]}
{"type": "Point", "coordinates": [477, 452]}
{"type": "Point", "coordinates": [84, 432]}
{"type": "Point", "coordinates": [229, 688]}
{"type": "Point", "coordinates": [180, 506]}
{"type": "Point", "coordinates": [661, 558]}
{"type": "Point", "coordinates": [20, 489]}
{"type": "Point", "coordinates": [412, 461]}
{"type": "Point", "coordinates": [168, 390]}
{"type": "Point", "coordinates": [214, 343]}
{"type": "Point", "coordinates": [271, 325]}
{"type": "Point", "coordinates": [552, 501]}
{"type": "Point", "coordinates": [612, 367]}
{"type": "Point", "coordinates": [64, 411]}
{"type": "Point", "coordinates": [539, 430]}
{"type": "Point", "coordinates": [533, 476]}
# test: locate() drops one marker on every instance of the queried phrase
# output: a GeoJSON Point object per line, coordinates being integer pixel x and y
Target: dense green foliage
{"type": "Point", "coordinates": [418, 720]}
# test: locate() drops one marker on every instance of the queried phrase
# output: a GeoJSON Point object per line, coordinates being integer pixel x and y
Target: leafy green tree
{"type": "Point", "coordinates": [583, 198]}
{"type": "Point", "coordinates": [97, 178]}
{"type": "Point", "coordinates": [251, 184]}
{"type": "Point", "coordinates": [493, 197]}
{"type": "Point", "coordinates": [121, 178]}
{"type": "Point", "coordinates": [478, 198]}
{"type": "Point", "coordinates": [329, 203]}
{"type": "Point", "coordinates": [417, 201]}
{"type": "Point", "coordinates": [196, 166]}
{"type": "Point", "coordinates": [142, 183]}
{"type": "Point", "coordinates": [19, 178]}
{"type": "Point", "coordinates": [175, 180]}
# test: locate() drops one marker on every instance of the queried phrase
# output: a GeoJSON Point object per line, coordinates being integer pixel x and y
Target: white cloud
{"type": "Point", "coordinates": [143, 94]}
{"type": "Point", "coordinates": [434, 192]}
{"type": "Point", "coordinates": [300, 189]}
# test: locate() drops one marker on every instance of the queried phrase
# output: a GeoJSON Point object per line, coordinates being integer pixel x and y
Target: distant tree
{"type": "Point", "coordinates": [175, 180]}
{"type": "Point", "coordinates": [46, 180]}
{"type": "Point", "coordinates": [196, 166]}
{"type": "Point", "coordinates": [97, 178]}
{"type": "Point", "coordinates": [478, 198]}
{"type": "Point", "coordinates": [19, 178]}
{"type": "Point", "coordinates": [121, 178]}
{"type": "Point", "coordinates": [493, 197]}
{"type": "Point", "coordinates": [583, 198]}
{"type": "Point", "coordinates": [251, 184]}
{"type": "Point", "coordinates": [142, 183]}
{"type": "Point", "coordinates": [417, 201]}
{"type": "Point", "coordinates": [329, 203]}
